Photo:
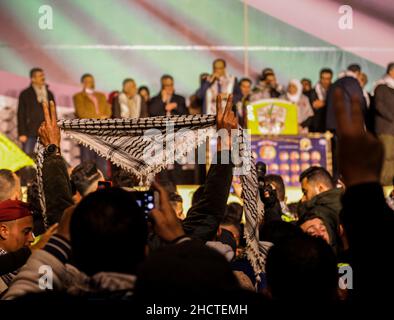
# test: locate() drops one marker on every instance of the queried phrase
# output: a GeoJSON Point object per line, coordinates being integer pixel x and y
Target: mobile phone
{"type": "Point", "coordinates": [104, 185]}
{"type": "Point", "coordinates": [147, 200]}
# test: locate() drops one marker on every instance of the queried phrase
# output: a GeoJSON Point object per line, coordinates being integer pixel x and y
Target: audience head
{"type": "Point", "coordinates": [144, 92]}
{"type": "Point", "coordinates": [302, 268]}
{"type": "Point", "coordinates": [294, 87]}
{"type": "Point", "coordinates": [219, 67]}
{"type": "Point", "coordinates": [10, 185]}
{"type": "Point", "coordinates": [314, 226]}
{"type": "Point", "coordinates": [87, 81]}
{"type": "Point", "coordinates": [390, 69]}
{"type": "Point", "coordinates": [167, 84]}
{"type": "Point", "coordinates": [231, 220]}
{"type": "Point", "coordinates": [129, 87]}
{"type": "Point", "coordinates": [187, 271]}
{"type": "Point", "coordinates": [123, 179]}
{"type": "Point", "coordinates": [306, 85]}
{"type": "Point", "coordinates": [363, 79]}
{"type": "Point", "coordinates": [277, 183]}
{"type": "Point", "coordinates": [176, 202]}
{"type": "Point", "coordinates": [314, 181]}
{"type": "Point", "coordinates": [85, 177]}
{"type": "Point", "coordinates": [16, 225]}
{"type": "Point", "coordinates": [355, 68]}
{"type": "Point", "coordinates": [268, 77]}
{"type": "Point", "coordinates": [245, 84]}
{"type": "Point", "coordinates": [326, 77]}
{"type": "Point", "coordinates": [108, 232]}
{"type": "Point", "coordinates": [37, 77]}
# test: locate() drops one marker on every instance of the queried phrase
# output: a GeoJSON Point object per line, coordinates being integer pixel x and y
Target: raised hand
{"type": "Point", "coordinates": [360, 154]}
{"type": "Point", "coordinates": [225, 120]}
{"type": "Point", "coordinates": [49, 132]}
{"type": "Point", "coordinates": [166, 224]}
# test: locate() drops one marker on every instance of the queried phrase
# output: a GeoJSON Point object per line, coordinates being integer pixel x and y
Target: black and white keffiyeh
{"type": "Point", "coordinates": [134, 145]}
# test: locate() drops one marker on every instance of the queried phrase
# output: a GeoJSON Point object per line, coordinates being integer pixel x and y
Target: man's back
{"type": "Point", "coordinates": [351, 88]}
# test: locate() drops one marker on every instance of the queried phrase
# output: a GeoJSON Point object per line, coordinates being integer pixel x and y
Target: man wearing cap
{"type": "Point", "coordinates": [16, 226]}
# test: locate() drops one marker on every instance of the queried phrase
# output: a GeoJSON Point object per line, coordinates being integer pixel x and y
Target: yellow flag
{"type": "Point", "coordinates": [11, 156]}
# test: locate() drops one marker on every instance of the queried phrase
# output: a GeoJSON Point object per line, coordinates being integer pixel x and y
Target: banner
{"type": "Point", "coordinates": [272, 116]}
{"type": "Point", "coordinates": [288, 156]}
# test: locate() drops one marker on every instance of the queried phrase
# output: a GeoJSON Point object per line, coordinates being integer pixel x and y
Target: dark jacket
{"type": "Point", "coordinates": [57, 187]}
{"type": "Point", "coordinates": [203, 218]}
{"type": "Point", "coordinates": [318, 120]}
{"type": "Point", "coordinates": [13, 260]}
{"type": "Point", "coordinates": [156, 106]}
{"type": "Point", "coordinates": [30, 113]}
{"type": "Point", "coordinates": [351, 88]}
{"type": "Point", "coordinates": [384, 110]}
{"type": "Point", "coordinates": [327, 206]}
{"type": "Point", "coordinates": [369, 225]}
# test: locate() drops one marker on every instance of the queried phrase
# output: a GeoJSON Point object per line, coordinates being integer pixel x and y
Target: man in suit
{"type": "Point", "coordinates": [348, 82]}
{"type": "Point", "coordinates": [167, 103]}
{"type": "Point", "coordinates": [317, 99]}
{"type": "Point", "coordinates": [384, 121]}
{"type": "Point", "coordinates": [91, 104]}
{"type": "Point", "coordinates": [30, 114]}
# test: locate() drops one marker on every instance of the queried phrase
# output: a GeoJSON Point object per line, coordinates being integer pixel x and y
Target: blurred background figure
{"type": "Point", "coordinates": [30, 114]}
{"type": "Point", "coordinates": [129, 104]}
{"type": "Point", "coordinates": [167, 102]}
{"type": "Point", "coordinates": [91, 104]}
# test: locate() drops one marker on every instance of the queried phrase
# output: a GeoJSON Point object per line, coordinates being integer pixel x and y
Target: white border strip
{"type": "Point", "coordinates": [209, 48]}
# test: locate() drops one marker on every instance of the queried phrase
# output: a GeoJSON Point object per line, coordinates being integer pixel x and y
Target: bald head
{"type": "Point", "coordinates": [10, 186]}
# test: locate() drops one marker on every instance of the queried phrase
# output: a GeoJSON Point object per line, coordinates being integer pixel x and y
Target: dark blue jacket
{"type": "Point", "coordinates": [350, 87]}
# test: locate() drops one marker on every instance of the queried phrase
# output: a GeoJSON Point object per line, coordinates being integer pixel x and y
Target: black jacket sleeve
{"type": "Point", "coordinates": [22, 115]}
{"type": "Point", "coordinates": [57, 187]}
{"type": "Point", "coordinates": [156, 107]}
{"type": "Point", "coordinates": [203, 219]}
{"type": "Point", "coordinates": [13, 260]}
{"type": "Point", "coordinates": [181, 108]}
{"type": "Point", "coordinates": [369, 225]}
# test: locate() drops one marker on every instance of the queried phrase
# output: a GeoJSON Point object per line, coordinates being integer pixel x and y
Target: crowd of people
{"type": "Point", "coordinates": [314, 104]}
{"type": "Point", "coordinates": [101, 246]}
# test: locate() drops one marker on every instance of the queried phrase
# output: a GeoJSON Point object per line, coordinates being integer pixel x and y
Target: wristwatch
{"type": "Point", "coordinates": [52, 149]}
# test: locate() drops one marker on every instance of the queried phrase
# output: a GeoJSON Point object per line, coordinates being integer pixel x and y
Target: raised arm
{"type": "Point", "coordinates": [56, 182]}
{"type": "Point", "coordinates": [367, 220]}
{"type": "Point", "coordinates": [204, 217]}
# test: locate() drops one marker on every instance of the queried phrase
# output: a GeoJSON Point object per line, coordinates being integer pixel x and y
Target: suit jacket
{"type": "Point", "coordinates": [85, 109]}
{"type": "Point", "coordinates": [157, 106]}
{"type": "Point", "coordinates": [384, 110]}
{"type": "Point", "coordinates": [318, 121]}
{"type": "Point", "coordinates": [350, 87]}
{"type": "Point", "coordinates": [30, 114]}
